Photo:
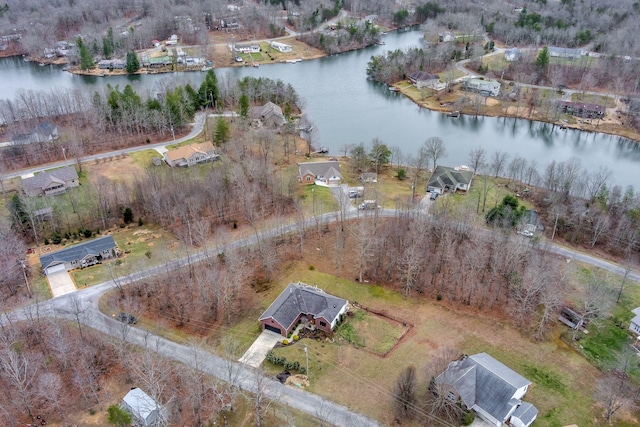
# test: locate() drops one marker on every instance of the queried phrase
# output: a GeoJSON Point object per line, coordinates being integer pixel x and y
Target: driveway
{"type": "Point", "coordinates": [60, 283]}
{"type": "Point", "coordinates": [255, 355]}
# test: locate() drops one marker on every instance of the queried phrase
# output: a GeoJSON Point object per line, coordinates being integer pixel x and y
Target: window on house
{"type": "Point", "coordinates": [451, 396]}
{"type": "Point", "coordinates": [323, 324]}
{"type": "Point", "coordinates": [308, 178]}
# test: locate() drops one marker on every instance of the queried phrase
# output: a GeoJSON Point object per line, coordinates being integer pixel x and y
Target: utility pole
{"type": "Point", "coordinates": [306, 352]}
{"type": "Point", "coordinates": [554, 226]}
{"type": "Point", "coordinates": [64, 153]}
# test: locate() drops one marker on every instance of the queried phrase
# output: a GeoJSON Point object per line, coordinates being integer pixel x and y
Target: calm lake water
{"type": "Point", "coordinates": [347, 108]}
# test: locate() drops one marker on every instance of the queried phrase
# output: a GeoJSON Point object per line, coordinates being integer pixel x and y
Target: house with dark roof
{"type": "Point", "coordinates": [44, 132]}
{"type": "Point", "coordinates": [489, 388]}
{"type": "Point", "coordinates": [326, 174]}
{"type": "Point", "coordinates": [80, 255]}
{"type": "Point", "coordinates": [565, 52]}
{"type": "Point", "coordinates": [302, 302]}
{"type": "Point", "coordinates": [581, 109]}
{"type": "Point", "coordinates": [190, 155]}
{"type": "Point", "coordinates": [481, 86]}
{"type": "Point", "coordinates": [269, 114]}
{"type": "Point", "coordinates": [51, 183]}
{"type": "Point", "coordinates": [144, 408]}
{"type": "Point", "coordinates": [422, 79]}
{"type": "Point", "coordinates": [449, 179]}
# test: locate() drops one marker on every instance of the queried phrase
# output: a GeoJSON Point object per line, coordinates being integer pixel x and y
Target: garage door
{"type": "Point", "coordinates": [56, 268]}
{"type": "Point", "coordinates": [271, 328]}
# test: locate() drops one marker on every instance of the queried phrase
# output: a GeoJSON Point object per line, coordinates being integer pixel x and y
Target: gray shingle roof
{"type": "Point", "coordinates": [43, 179]}
{"type": "Point", "coordinates": [320, 169]}
{"type": "Point", "coordinates": [77, 252]}
{"type": "Point", "coordinates": [484, 382]}
{"type": "Point", "coordinates": [526, 413]}
{"type": "Point", "coordinates": [447, 176]}
{"type": "Point", "coordinates": [300, 298]}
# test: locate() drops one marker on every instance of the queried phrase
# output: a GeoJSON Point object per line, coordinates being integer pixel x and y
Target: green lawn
{"type": "Point", "coordinates": [593, 99]}
{"type": "Point", "coordinates": [144, 158]}
{"type": "Point", "coordinates": [316, 200]}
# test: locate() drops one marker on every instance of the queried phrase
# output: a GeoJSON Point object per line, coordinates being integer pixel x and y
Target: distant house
{"type": "Point", "coordinates": [581, 109]}
{"type": "Point", "coordinates": [281, 47]}
{"type": "Point", "coordinates": [247, 48]}
{"type": "Point", "coordinates": [422, 79]}
{"type": "Point", "coordinates": [303, 302]}
{"type": "Point", "coordinates": [112, 64]}
{"type": "Point", "coordinates": [80, 255]}
{"type": "Point", "coordinates": [483, 87]}
{"type": "Point", "coordinates": [513, 54]}
{"type": "Point", "coordinates": [145, 409]}
{"type": "Point", "coordinates": [489, 388]}
{"type": "Point", "coordinates": [369, 177]}
{"type": "Point", "coordinates": [190, 155]}
{"type": "Point", "coordinates": [446, 37]}
{"type": "Point", "coordinates": [563, 52]}
{"type": "Point", "coordinates": [269, 114]}
{"type": "Point", "coordinates": [51, 183]}
{"type": "Point", "coordinates": [44, 132]}
{"type": "Point", "coordinates": [326, 174]}
{"type": "Point", "coordinates": [635, 322]}
{"type": "Point", "coordinates": [447, 179]}
{"type": "Point", "coordinates": [530, 223]}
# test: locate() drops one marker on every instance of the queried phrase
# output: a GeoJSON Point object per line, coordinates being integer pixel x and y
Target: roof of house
{"type": "Point", "coordinates": [481, 82]}
{"type": "Point", "coordinates": [636, 311]}
{"type": "Point", "coordinates": [324, 169]}
{"type": "Point", "coordinates": [553, 50]}
{"type": "Point", "coordinates": [141, 403]}
{"type": "Point", "coordinates": [267, 111]}
{"type": "Point", "coordinates": [46, 128]}
{"type": "Point", "coordinates": [526, 413]}
{"type": "Point", "coordinates": [366, 175]}
{"type": "Point", "coordinates": [423, 75]}
{"type": "Point", "coordinates": [447, 176]}
{"type": "Point", "coordinates": [187, 151]}
{"type": "Point", "coordinates": [482, 381]}
{"type": "Point", "coordinates": [300, 298]}
{"type": "Point", "coordinates": [78, 251]}
{"type": "Point", "coordinates": [43, 179]}
{"type": "Point", "coordinates": [582, 105]}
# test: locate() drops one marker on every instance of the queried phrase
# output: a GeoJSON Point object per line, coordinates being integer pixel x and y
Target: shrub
{"type": "Point", "coordinates": [285, 342]}
{"type": "Point", "coordinates": [439, 297]}
{"type": "Point", "coordinates": [468, 418]}
{"type": "Point", "coordinates": [87, 233]}
{"type": "Point", "coordinates": [140, 222]}
{"type": "Point", "coordinates": [402, 174]}
{"type": "Point", "coordinates": [296, 338]}
{"type": "Point", "coordinates": [311, 267]}
{"type": "Point", "coordinates": [46, 241]}
{"type": "Point", "coordinates": [148, 254]}
{"type": "Point", "coordinates": [56, 238]}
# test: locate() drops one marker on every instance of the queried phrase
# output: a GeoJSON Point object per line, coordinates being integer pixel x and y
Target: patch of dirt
{"type": "Point", "coordinates": [150, 244]}
{"type": "Point", "coordinates": [298, 380]}
{"type": "Point", "coordinates": [118, 169]}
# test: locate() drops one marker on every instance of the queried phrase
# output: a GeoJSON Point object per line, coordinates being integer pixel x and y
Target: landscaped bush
{"type": "Point", "coordinates": [285, 342]}
{"type": "Point", "coordinates": [282, 361]}
{"type": "Point", "coordinates": [56, 238]}
{"type": "Point", "coordinates": [296, 338]}
{"type": "Point", "coordinates": [468, 418]}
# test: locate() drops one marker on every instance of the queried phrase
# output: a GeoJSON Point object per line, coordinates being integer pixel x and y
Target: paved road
{"type": "Point", "coordinates": [197, 127]}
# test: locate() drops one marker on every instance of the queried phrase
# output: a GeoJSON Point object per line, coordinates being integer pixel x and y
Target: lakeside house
{"type": "Point", "coordinates": [489, 388]}
{"type": "Point", "coordinates": [51, 183]}
{"type": "Point", "coordinates": [448, 179]}
{"type": "Point", "coordinates": [326, 174]}
{"type": "Point", "coordinates": [268, 114]}
{"type": "Point", "coordinates": [483, 87]}
{"type": "Point", "coordinates": [281, 47]}
{"type": "Point", "coordinates": [246, 48]}
{"type": "Point", "coordinates": [112, 64]}
{"type": "Point", "coordinates": [564, 52]}
{"type": "Point", "coordinates": [44, 132]}
{"type": "Point", "coordinates": [300, 302]}
{"type": "Point", "coordinates": [190, 155]}
{"type": "Point", "coordinates": [422, 79]}
{"type": "Point", "coordinates": [81, 255]}
{"type": "Point", "coordinates": [581, 109]}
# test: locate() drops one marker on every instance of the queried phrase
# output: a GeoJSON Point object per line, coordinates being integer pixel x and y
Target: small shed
{"type": "Point", "coordinates": [635, 322]}
{"type": "Point", "coordinates": [145, 409]}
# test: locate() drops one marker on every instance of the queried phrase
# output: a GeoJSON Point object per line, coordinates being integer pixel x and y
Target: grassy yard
{"type": "Point", "coordinates": [607, 101]}
{"type": "Point", "coordinates": [144, 159]}
{"type": "Point", "coordinates": [144, 247]}
{"type": "Point", "coordinates": [316, 200]}
{"type": "Point", "coordinates": [563, 380]}
{"type": "Point", "coordinates": [371, 332]}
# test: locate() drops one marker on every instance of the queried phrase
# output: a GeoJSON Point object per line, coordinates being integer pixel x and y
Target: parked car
{"type": "Point", "coordinates": [356, 193]}
{"type": "Point", "coordinates": [433, 196]}
{"type": "Point", "coordinates": [127, 318]}
{"type": "Point", "coordinates": [369, 205]}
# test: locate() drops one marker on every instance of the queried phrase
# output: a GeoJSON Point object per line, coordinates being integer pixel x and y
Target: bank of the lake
{"type": "Point", "coordinates": [347, 108]}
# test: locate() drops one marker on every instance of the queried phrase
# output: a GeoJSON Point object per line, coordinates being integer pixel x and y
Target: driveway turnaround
{"type": "Point", "coordinates": [255, 355]}
{"type": "Point", "coordinates": [60, 283]}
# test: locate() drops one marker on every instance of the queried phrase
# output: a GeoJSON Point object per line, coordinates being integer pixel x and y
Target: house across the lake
{"type": "Point", "coordinates": [269, 114]}
{"type": "Point", "coordinates": [326, 174]}
{"type": "Point", "coordinates": [192, 154]}
{"type": "Point", "coordinates": [301, 302]}
{"type": "Point", "coordinates": [51, 183]}
{"type": "Point", "coordinates": [581, 109]}
{"type": "Point", "coordinates": [79, 256]}
{"type": "Point", "coordinates": [489, 388]}
{"type": "Point", "coordinates": [483, 87]}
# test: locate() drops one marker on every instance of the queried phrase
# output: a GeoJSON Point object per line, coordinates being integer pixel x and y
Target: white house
{"type": "Point", "coordinates": [489, 388]}
{"type": "Point", "coordinates": [145, 409]}
{"type": "Point", "coordinates": [325, 174]}
{"type": "Point", "coordinates": [483, 87]}
{"type": "Point", "coordinates": [635, 322]}
{"type": "Point", "coordinates": [284, 48]}
{"type": "Point", "coordinates": [511, 55]}
{"type": "Point", "coordinates": [247, 48]}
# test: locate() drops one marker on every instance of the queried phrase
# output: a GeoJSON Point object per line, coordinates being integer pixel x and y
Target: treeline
{"type": "Point", "coordinates": [116, 118]}
{"type": "Point", "coordinates": [355, 35]}
{"type": "Point", "coordinates": [393, 66]}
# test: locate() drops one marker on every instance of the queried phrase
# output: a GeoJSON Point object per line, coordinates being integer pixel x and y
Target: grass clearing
{"type": "Point", "coordinates": [316, 200]}
{"type": "Point", "coordinates": [607, 101]}
{"type": "Point", "coordinates": [144, 158]}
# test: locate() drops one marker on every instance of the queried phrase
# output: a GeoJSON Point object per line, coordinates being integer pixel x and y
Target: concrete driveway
{"type": "Point", "coordinates": [255, 355]}
{"type": "Point", "coordinates": [60, 283]}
